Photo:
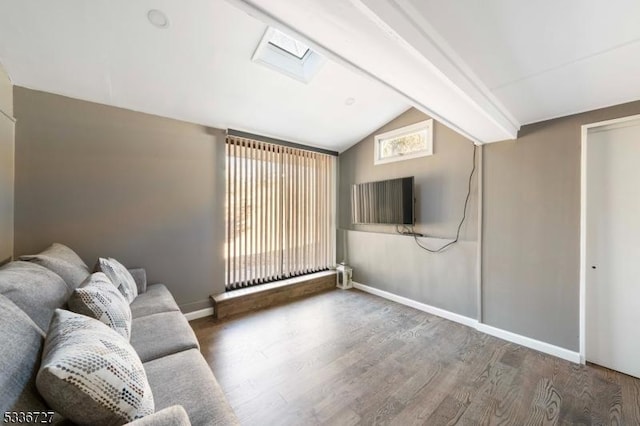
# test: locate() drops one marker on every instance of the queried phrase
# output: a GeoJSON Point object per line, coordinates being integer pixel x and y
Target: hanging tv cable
{"type": "Point", "coordinates": [464, 215]}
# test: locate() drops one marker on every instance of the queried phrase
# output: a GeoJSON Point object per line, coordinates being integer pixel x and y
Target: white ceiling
{"type": "Point", "coordinates": [545, 58]}
{"type": "Point", "coordinates": [482, 67]}
{"type": "Point", "coordinates": [197, 70]}
{"type": "Point", "coordinates": [365, 35]}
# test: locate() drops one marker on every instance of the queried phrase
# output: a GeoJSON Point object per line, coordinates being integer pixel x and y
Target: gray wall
{"type": "Point", "coordinates": [6, 167]}
{"type": "Point", "coordinates": [440, 180]}
{"type": "Point", "coordinates": [531, 228]}
{"type": "Point", "coordinates": [394, 263]}
{"type": "Point", "coordinates": [148, 190]}
{"type": "Point", "coordinates": [112, 182]}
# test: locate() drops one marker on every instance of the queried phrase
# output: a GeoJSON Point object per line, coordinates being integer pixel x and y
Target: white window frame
{"type": "Point", "coordinates": [276, 38]}
{"type": "Point", "coordinates": [302, 69]}
{"type": "Point", "coordinates": [423, 126]}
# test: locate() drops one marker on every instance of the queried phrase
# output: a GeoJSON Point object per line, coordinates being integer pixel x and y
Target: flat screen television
{"type": "Point", "coordinates": [384, 202]}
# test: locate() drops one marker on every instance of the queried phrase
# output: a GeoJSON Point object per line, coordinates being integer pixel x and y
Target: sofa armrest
{"type": "Point", "coordinates": [140, 277]}
{"type": "Point", "coordinates": [170, 416]}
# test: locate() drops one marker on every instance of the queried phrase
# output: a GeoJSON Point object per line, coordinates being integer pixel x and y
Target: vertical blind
{"type": "Point", "coordinates": [280, 204]}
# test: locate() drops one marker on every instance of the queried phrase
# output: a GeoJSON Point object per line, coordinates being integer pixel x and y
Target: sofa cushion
{"type": "Point", "coordinates": [158, 335]}
{"type": "Point", "coordinates": [98, 298]}
{"type": "Point", "coordinates": [155, 300]}
{"type": "Point", "coordinates": [171, 416]}
{"type": "Point", "coordinates": [20, 349]}
{"type": "Point", "coordinates": [119, 276]}
{"type": "Point", "coordinates": [64, 262]}
{"type": "Point", "coordinates": [34, 289]}
{"type": "Point", "coordinates": [185, 378]}
{"type": "Point", "coordinates": [90, 374]}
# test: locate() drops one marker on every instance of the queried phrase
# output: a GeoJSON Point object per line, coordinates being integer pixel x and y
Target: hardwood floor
{"type": "Point", "coordinates": [347, 357]}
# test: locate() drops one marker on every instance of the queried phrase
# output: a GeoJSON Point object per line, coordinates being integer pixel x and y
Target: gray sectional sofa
{"type": "Point", "coordinates": [184, 389]}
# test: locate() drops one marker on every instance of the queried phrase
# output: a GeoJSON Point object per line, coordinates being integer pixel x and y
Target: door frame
{"type": "Point", "coordinates": [584, 152]}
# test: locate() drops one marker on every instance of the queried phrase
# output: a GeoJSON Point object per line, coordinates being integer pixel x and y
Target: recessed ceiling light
{"type": "Point", "coordinates": [349, 101]}
{"type": "Point", "coordinates": [158, 19]}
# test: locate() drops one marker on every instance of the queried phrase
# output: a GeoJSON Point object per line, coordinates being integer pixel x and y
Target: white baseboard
{"type": "Point", "coordinates": [528, 342]}
{"type": "Point", "coordinates": [206, 312]}
{"type": "Point", "coordinates": [544, 347]}
{"type": "Point", "coordinates": [418, 305]}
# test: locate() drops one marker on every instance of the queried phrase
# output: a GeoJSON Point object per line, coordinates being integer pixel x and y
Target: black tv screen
{"type": "Point", "coordinates": [384, 202]}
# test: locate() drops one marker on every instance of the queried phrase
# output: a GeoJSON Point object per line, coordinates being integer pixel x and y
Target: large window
{"type": "Point", "coordinates": [279, 212]}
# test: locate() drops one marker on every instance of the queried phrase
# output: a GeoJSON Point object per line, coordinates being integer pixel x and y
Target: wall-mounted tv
{"type": "Point", "coordinates": [384, 202]}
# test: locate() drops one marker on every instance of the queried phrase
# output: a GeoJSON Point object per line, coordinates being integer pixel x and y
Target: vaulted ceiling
{"type": "Point", "coordinates": [545, 59]}
{"type": "Point", "coordinates": [199, 69]}
{"type": "Point", "coordinates": [482, 67]}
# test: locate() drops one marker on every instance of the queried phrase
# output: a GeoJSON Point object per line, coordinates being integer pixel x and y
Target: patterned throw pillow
{"type": "Point", "coordinates": [90, 374]}
{"type": "Point", "coordinates": [98, 298]}
{"type": "Point", "coordinates": [119, 276]}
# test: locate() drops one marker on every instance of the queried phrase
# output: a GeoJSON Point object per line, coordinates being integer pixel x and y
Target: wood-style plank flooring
{"type": "Point", "coordinates": [347, 358]}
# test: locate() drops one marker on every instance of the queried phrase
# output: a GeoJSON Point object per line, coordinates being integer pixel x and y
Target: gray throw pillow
{"type": "Point", "coordinates": [64, 262]}
{"type": "Point", "coordinates": [119, 276]}
{"type": "Point", "coordinates": [90, 374]}
{"type": "Point", "coordinates": [98, 298]}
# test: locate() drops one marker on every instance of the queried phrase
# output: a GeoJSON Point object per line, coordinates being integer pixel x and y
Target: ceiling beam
{"type": "Point", "coordinates": [388, 42]}
{"type": "Point", "coordinates": [400, 18]}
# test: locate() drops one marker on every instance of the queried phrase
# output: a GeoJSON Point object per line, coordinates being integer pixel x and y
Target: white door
{"type": "Point", "coordinates": [612, 276]}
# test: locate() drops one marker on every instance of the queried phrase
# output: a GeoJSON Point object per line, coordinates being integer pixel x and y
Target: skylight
{"type": "Point", "coordinates": [288, 44]}
{"type": "Point", "coordinates": [287, 55]}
